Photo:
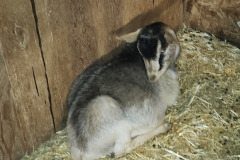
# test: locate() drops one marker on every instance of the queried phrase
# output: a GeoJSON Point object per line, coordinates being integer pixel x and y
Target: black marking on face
{"type": "Point", "coordinates": [147, 47]}
{"type": "Point", "coordinates": [148, 40]}
{"type": "Point", "coordinates": [161, 60]}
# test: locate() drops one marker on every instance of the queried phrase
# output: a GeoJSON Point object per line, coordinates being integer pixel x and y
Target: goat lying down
{"type": "Point", "coordinates": [118, 104]}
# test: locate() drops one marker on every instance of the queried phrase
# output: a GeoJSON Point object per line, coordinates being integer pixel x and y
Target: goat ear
{"type": "Point", "coordinates": [130, 37]}
{"type": "Point", "coordinates": [173, 47]}
{"type": "Point", "coordinates": [170, 36]}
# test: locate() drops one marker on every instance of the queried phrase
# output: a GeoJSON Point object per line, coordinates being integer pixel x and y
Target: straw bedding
{"type": "Point", "coordinates": [206, 123]}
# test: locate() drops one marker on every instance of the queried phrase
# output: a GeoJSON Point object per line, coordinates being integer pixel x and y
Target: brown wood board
{"type": "Point", "coordinates": [26, 119]}
{"type": "Point", "coordinates": [218, 17]}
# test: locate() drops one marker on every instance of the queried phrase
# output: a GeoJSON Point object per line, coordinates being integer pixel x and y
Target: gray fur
{"type": "Point", "coordinates": [114, 107]}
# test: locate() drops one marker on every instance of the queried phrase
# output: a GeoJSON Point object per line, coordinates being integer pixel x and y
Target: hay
{"type": "Point", "coordinates": [54, 149]}
{"type": "Point", "coordinates": [206, 123]}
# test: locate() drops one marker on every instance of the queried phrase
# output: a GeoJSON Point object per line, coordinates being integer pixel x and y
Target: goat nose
{"type": "Point", "coordinates": [152, 78]}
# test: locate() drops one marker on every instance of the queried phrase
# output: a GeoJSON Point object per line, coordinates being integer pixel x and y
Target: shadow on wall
{"type": "Point", "coordinates": [158, 13]}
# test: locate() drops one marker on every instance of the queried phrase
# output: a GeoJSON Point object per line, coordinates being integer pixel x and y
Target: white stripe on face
{"type": "Point", "coordinates": [152, 65]}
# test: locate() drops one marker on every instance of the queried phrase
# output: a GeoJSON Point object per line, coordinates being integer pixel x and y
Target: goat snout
{"type": "Point", "coordinates": [152, 78]}
{"type": "Point", "coordinates": [152, 68]}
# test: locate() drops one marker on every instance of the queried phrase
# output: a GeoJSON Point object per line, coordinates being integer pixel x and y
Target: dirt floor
{"type": "Point", "coordinates": [206, 123]}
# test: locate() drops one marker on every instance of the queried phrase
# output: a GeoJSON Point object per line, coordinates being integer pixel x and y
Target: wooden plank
{"type": "Point", "coordinates": [26, 119]}
{"type": "Point", "coordinates": [219, 17]}
{"type": "Point", "coordinates": [11, 134]}
{"type": "Point", "coordinates": [169, 12]}
{"type": "Point", "coordinates": [75, 33]}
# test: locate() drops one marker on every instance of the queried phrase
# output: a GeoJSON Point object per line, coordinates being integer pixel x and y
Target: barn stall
{"type": "Point", "coordinates": [44, 45]}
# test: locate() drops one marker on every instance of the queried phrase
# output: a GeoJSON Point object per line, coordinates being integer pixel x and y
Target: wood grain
{"type": "Point", "coordinates": [25, 116]}
{"type": "Point", "coordinates": [218, 17]}
{"type": "Point", "coordinates": [11, 134]}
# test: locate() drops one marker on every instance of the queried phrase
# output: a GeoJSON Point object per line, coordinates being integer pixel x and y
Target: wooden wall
{"type": "Point", "coordinates": [219, 17]}
{"type": "Point", "coordinates": [45, 44]}
{"type": "Point", "coordinates": [25, 115]}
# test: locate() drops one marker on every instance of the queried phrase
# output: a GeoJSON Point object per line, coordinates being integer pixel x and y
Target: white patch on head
{"type": "Point", "coordinates": [159, 49]}
{"type": "Point", "coordinates": [152, 66]}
